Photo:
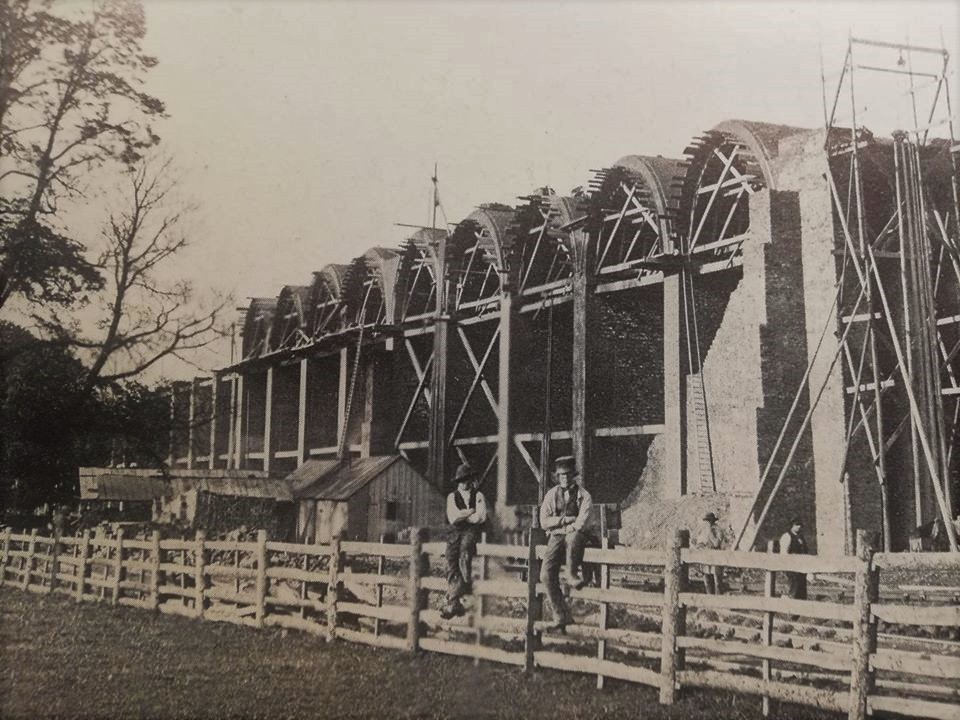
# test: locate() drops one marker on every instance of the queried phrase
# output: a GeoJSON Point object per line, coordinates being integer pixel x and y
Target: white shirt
{"type": "Point", "coordinates": [479, 512]}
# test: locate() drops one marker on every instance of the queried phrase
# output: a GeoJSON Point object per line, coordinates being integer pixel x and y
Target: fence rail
{"type": "Point", "coordinates": [388, 595]}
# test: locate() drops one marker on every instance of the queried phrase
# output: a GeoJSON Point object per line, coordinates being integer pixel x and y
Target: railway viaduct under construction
{"type": "Point", "coordinates": [763, 327]}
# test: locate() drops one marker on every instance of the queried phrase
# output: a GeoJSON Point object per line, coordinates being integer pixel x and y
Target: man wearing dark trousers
{"type": "Point", "coordinates": [466, 513]}
{"type": "Point", "coordinates": [565, 514]}
{"type": "Point", "coordinates": [793, 543]}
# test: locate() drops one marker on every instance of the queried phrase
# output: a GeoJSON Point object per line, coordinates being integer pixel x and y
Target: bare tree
{"type": "Point", "coordinates": [143, 318]}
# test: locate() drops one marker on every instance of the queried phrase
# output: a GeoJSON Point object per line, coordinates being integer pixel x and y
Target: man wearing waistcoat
{"type": "Point", "coordinates": [565, 514]}
{"type": "Point", "coordinates": [793, 543]}
{"type": "Point", "coordinates": [466, 513]}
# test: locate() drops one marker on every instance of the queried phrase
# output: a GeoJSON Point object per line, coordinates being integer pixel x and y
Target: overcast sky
{"type": "Point", "coordinates": [306, 129]}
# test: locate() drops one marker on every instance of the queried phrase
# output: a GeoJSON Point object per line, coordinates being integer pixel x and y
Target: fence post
{"type": "Point", "coordinates": [534, 607]}
{"type": "Point", "coordinates": [414, 589]}
{"type": "Point", "coordinates": [6, 556]}
{"type": "Point", "coordinates": [155, 570]}
{"type": "Point", "coordinates": [117, 568]}
{"type": "Point", "coordinates": [864, 630]}
{"type": "Point", "coordinates": [83, 567]}
{"type": "Point", "coordinates": [28, 561]}
{"type": "Point", "coordinates": [478, 602]}
{"type": "Point", "coordinates": [378, 592]}
{"type": "Point", "coordinates": [261, 577]}
{"type": "Point", "coordinates": [604, 607]}
{"type": "Point", "coordinates": [336, 558]}
{"type": "Point", "coordinates": [199, 579]}
{"type": "Point", "coordinates": [769, 586]}
{"type": "Point", "coordinates": [55, 558]}
{"type": "Point", "coordinates": [674, 618]}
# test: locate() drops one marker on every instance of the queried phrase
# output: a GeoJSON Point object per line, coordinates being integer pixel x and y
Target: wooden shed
{"type": "Point", "coordinates": [363, 499]}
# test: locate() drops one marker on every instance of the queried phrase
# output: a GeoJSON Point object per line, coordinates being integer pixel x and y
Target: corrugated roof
{"type": "Point", "coordinates": [141, 484]}
{"type": "Point", "coordinates": [308, 473]}
{"type": "Point", "coordinates": [342, 481]}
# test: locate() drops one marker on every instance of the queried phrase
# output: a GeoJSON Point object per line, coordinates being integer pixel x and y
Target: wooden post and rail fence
{"type": "Point", "coordinates": [388, 595]}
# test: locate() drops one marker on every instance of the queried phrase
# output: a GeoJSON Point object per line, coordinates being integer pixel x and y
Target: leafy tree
{"type": "Point", "coordinates": [70, 101]}
{"type": "Point", "coordinates": [49, 427]}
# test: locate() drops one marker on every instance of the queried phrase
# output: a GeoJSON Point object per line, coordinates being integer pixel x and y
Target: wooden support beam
{"type": "Point", "coordinates": [302, 414]}
{"type": "Point", "coordinates": [267, 417]}
{"type": "Point", "coordinates": [582, 286]}
{"type": "Point", "coordinates": [342, 393]}
{"type": "Point", "coordinates": [673, 458]}
{"type": "Point", "coordinates": [238, 440]}
{"type": "Point", "coordinates": [507, 314]}
{"type": "Point", "coordinates": [191, 421]}
{"type": "Point", "coordinates": [213, 422]}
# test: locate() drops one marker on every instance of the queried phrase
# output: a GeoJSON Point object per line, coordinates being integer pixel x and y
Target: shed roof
{"type": "Point", "coordinates": [343, 480]}
{"type": "Point", "coordinates": [129, 488]}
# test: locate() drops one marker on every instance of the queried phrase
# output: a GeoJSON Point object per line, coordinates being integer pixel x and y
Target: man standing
{"type": "Point", "coordinates": [792, 543]}
{"type": "Point", "coordinates": [710, 538]}
{"type": "Point", "coordinates": [466, 513]}
{"type": "Point", "coordinates": [565, 515]}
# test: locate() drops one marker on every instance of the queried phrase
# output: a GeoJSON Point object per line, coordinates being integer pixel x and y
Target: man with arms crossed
{"type": "Point", "coordinates": [565, 514]}
{"type": "Point", "coordinates": [466, 513]}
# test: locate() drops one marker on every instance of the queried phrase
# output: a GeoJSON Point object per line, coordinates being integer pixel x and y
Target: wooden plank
{"type": "Point", "coordinates": [215, 545]}
{"type": "Point", "coordinates": [173, 544]}
{"type": "Point", "coordinates": [220, 570]}
{"type": "Point", "coordinates": [297, 549]}
{"type": "Point", "coordinates": [784, 692]}
{"type": "Point", "coordinates": [768, 561]}
{"type": "Point", "coordinates": [132, 544]}
{"type": "Point", "coordinates": [127, 563]}
{"type": "Point", "coordinates": [219, 593]}
{"type": "Point", "coordinates": [510, 552]}
{"type": "Point", "coordinates": [172, 568]}
{"type": "Point", "coordinates": [436, 584]}
{"type": "Point", "coordinates": [289, 573]}
{"type": "Point", "coordinates": [914, 708]}
{"type": "Point", "coordinates": [356, 547]}
{"type": "Point", "coordinates": [789, 606]}
{"type": "Point", "coordinates": [917, 561]}
{"type": "Point", "coordinates": [164, 589]}
{"type": "Point", "coordinates": [941, 616]}
{"type": "Point", "coordinates": [501, 588]}
{"type": "Point", "coordinates": [374, 579]}
{"type": "Point", "coordinates": [830, 660]}
{"type": "Point", "coordinates": [593, 666]}
{"type": "Point", "coordinates": [133, 585]}
{"type": "Point", "coordinates": [175, 608]}
{"type": "Point", "coordinates": [435, 548]}
{"type": "Point", "coordinates": [133, 602]}
{"type": "Point", "coordinates": [472, 651]}
{"type": "Point", "coordinates": [302, 603]}
{"type": "Point", "coordinates": [295, 622]}
{"type": "Point", "coordinates": [766, 633]}
{"type": "Point", "coordinates": [385, 641]}
{"type": "Point", "coordinates": [391, 613]}
{"type": "Point", "coordinates": [624, 556]}
{"type": "Point", "coordinates": [619, 596]}
{"type": "Point", "coordinates": [913, 663]}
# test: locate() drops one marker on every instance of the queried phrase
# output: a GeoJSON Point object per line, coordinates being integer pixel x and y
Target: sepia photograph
{"type": "Point", "coordinates": [540, 359]}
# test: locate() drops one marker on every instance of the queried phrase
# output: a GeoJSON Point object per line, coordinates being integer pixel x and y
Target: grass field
{"type": "Point", "coordinates": [62, 659]}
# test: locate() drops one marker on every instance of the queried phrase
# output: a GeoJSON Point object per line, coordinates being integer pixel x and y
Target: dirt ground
{"type": "Point", "coordinates": [63, 659]}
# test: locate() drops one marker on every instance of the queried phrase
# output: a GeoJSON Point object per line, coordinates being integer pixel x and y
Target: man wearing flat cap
{"type": "Point", "coordinates": [565, 514]}
{"type": "Point", "coordinates": [466, 513]}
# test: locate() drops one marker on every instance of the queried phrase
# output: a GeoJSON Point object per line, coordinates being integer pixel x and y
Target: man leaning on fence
{"type": "Point", "coordinates": [565, 514]}
{"type": "Point", "coordinates": [466, 513]}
